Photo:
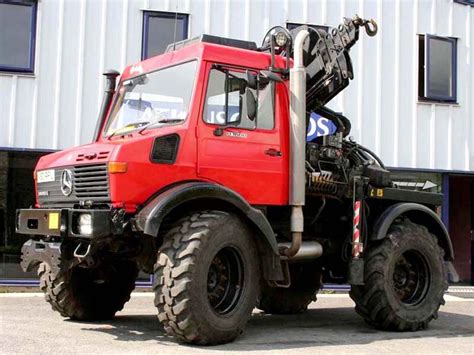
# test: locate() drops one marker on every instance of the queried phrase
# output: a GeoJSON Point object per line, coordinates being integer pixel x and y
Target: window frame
{"type": "Point", "coordinates": [147, 14]}
{"type": "Point", "coordinates": [465, 2]}
{"type": "Point", "coordinates": [211, 67]}
{"type": "Point", "coordinates": [116, 96]}
{"type": "Point", "coordinates": [427, 95]}
{"type": "Point", "coordinates": [32, 47]}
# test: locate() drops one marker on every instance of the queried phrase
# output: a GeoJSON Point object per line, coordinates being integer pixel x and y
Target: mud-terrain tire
{"type": "Point", "coordinates": [207, 278]}
{"type": "Point", "coordinates": [305, 284]}
{"type": "Point", "coordinates": [405, 279]}
{"type": "Point", "coordinates": [89, 294]}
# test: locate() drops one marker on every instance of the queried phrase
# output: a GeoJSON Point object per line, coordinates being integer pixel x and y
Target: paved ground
{"type": "Point", "coordinates": [28, 326]}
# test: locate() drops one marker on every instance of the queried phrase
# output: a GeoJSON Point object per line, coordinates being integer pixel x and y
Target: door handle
{"type": "Point", "coordinates": [273, 152]}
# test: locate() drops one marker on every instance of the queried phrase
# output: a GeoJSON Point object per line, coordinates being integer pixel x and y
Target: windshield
{"type": "Point", "coordinates": [161, 97]}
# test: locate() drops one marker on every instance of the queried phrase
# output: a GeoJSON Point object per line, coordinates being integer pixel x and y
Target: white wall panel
{"type": "Point", "coordinates": [23, 109]}
{"type": "Point", "coordinates": [6, 88]}
{"type": "Point", "coordinates": [46, 75]}
{"type": "Point", "coordinates": [68, 73]}
{"type": "Point", "coordinates": [78, 39]}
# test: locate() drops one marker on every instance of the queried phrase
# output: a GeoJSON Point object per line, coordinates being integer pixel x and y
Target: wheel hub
{"type": "Point", "coordinates": [411, 278]}
{"type": "Point", "coordinates": [225, 280]}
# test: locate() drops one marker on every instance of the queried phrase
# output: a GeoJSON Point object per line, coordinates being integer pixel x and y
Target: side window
{"type": "Point", "coordinates": [229, 101]}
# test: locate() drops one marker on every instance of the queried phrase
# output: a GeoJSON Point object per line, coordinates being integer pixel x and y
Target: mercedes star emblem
{"type": "Point", "coordinates": [66, 182]}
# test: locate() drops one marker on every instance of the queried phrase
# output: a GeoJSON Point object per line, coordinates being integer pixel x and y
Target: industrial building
{"type": "Point", "coordinates": [411, 101]}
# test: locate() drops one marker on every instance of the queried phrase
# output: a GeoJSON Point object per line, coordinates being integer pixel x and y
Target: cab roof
{"type": "Point", "coordinates": [223, 41]}
{"type": "Point", "coordinates": [206, 48]}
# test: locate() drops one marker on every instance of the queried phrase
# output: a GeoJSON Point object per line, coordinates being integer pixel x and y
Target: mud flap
{"type": "Point", "coordinates": [356, 272]}
{"type": "Point", "coordinates": [34, 252]}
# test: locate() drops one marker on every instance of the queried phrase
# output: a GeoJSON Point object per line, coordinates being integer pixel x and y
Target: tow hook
{"type": "Point", "coordinates": [83, 253]}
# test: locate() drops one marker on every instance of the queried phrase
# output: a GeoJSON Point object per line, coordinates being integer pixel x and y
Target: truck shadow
{"type": "Point", "coordinates": [317, 327]}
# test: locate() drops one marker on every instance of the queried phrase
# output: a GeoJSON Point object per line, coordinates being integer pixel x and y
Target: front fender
{"type": "Point", "coordinates": [419, 214]}
{"type": "Point", "coordinates": [151, 216]}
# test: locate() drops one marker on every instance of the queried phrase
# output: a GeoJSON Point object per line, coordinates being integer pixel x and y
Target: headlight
{"type": "Point", "coordinates": [280, 39]}
{"type": "Point", "coordinates": [85, 224]}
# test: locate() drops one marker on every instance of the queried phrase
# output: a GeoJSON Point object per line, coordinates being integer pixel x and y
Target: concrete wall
{"type": "Point", "coordinates": [76, 40]}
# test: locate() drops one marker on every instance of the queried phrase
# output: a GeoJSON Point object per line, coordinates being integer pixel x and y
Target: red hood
{"type": "Point", "coordinates": [85, 154]}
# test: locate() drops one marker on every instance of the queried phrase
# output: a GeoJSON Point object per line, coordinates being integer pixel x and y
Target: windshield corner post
{"type": "Point", "coordinates": [111, 82]}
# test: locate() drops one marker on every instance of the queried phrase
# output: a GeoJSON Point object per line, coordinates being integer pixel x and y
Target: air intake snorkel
{"type": "Point", "coordinates": [111, 77]}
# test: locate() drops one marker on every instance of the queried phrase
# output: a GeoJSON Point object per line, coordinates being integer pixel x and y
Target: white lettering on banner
{"type": "Point", "coordinates": [319, 126]}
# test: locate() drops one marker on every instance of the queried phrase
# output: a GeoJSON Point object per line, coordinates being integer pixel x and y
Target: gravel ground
{"type": "Point", "coordinates": [29, 326]}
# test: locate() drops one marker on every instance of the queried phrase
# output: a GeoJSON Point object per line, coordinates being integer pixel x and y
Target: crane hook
{"type": "Point", "coordinates": [370, 30]}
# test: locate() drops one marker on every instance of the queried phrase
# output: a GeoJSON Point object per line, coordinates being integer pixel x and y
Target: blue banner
{"type": "Point", "coordinates": [319, 126]}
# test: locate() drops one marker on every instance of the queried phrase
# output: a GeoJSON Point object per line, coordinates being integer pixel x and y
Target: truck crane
{"type": "Point", "coordinates": [201, 174]}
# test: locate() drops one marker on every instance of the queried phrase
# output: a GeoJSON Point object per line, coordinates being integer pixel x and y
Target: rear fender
{"type": "Point", "coordinates": [419, 214]}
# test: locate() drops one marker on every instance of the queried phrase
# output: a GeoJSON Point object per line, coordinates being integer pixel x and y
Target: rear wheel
{"type": "Point", "coordinates": [405, 279]}
{"type": "Point", "coordinates": [89, 293]}
{"type": "Point", "coordinates": [305, 283]}
{"type": "Point", "coordinates": [206, 278]}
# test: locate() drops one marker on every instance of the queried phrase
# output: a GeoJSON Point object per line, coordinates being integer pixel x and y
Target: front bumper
{"type": "Point", "coordinates": [65, 222]}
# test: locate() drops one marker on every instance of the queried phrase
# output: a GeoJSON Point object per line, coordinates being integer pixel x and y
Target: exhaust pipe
{"type": "Point", "coordinates": [111, 77]}
{"type": "Point", "coordinates": [308, 250]}
{"type": "Point", "coordinates": [297, 145]}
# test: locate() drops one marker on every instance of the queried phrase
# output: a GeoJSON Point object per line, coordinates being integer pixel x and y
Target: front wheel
{"type": "Point", "coordinates": [89, 294]}
{"type": "Point", "coordinates": [405, 279]}
{"type": "Point", "coordinates": [206, 278]}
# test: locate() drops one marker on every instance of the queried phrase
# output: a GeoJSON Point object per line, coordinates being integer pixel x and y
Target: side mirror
{"type": "Point", "coordinates": [271, 76]}
{"type": "Point", "coordinates": [251, 104]}
{"type": "Point", "coordinates": [262, 79]}
{"type": "Point", "coordinates": [252, 80]}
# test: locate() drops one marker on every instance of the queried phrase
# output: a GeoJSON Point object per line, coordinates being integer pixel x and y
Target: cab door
{"type": "Point", "coordinates": [245, 155]}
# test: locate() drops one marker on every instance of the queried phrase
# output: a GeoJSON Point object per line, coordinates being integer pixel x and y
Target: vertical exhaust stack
{"type": "Point", "coordinates": [111, 77]}
{"type": "Point", "coordinates": [297, 144]}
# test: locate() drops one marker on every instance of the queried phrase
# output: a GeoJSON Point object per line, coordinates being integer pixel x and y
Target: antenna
{"type": "Point", "coordinates": [175, 24]}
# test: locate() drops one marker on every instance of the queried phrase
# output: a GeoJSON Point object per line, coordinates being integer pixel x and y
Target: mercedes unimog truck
{"type": "Point", "coordinates": [201, 174]}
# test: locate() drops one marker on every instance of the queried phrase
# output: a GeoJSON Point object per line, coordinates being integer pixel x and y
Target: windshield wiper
{"type": "Point", "coordinates": [165, 120]}
{"type": "Point", "coordinates": [130, 125]}
{"type": "Point", "coordinates": [170, 120]}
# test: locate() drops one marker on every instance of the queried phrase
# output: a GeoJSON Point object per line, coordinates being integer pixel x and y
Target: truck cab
{"type": "Point", "coordinates": [163, 128]}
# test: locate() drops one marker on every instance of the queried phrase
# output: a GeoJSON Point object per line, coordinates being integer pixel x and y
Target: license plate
{"type": "Point", "coordinates": [45, 176]}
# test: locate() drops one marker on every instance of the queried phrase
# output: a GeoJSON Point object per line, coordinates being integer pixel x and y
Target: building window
{"type": "Point", "coordinates": [465, 2]}
{"type": "Point", "coordinates": [161, 29]}
{"type": "Point", "coordinates": [437, 68]}
{"type": "Point", "coordinates": [17, 35]}
{"type": "Point", "coordinates": [292, 25]}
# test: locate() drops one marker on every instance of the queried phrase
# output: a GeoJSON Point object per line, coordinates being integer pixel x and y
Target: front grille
{"type": "Point", "coordinates": [90, 183]}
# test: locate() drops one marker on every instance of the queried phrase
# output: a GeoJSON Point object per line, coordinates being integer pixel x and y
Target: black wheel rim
{"type": "Point", "coordinates": [411, 278]}
{"type": "Point", "coordinates": [225, 280]}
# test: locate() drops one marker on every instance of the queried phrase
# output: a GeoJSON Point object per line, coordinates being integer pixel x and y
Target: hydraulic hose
{"type": "Point", "coordinates": [372, 154]}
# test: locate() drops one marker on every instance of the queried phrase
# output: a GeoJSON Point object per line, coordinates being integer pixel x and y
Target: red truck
{"type": "Point", "coordinates": [201, 174]}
